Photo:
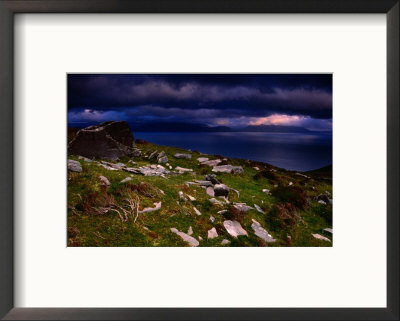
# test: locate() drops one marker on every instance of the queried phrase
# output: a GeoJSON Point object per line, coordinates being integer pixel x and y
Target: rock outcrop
{"type": "Point", "coordinates": [110, 140]}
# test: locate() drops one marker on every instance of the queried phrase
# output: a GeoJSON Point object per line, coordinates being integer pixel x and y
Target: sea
{"type": "Point", "coordinates": [292, 151]}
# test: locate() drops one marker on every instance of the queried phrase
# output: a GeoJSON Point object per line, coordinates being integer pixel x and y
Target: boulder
{"type": "Point", "coordinates": [221, 190]}
{"type": "Point", "coordinates": [228, 169]}
{"type": "Point", "coordinates": [234, 228]}
{"type": "Point", "coordinates": [202, 159]}
{"type": "Point", "coordinates": [187, 238]}
{"type": "Point", "coordinates": [324, 198]}
{"type": "Point", "coordinates": [212, 233]}
{"type": "Point", "coordinates": [213, 162]}
{"type": "Point", "coordinates": [104, 181]}
{"type": "Point", "coordinates": [320, 237]}
{"type": "Point", "coordinates": [109, 140]}
{"type": "Point", "coordinates": [212, 178]}
{"type": "Point", "coordinates": [162, 159]}
{"type": "Point", "coordinates": [261, 232]}
{"type": "Point", "coordinates": [210, 191]}
{"type": "Point", "coordinates": [183, 156]}
{"type": "Point", "coordinates": [242, 207]}
{"type": "Point", "coordinates": [74, 166]}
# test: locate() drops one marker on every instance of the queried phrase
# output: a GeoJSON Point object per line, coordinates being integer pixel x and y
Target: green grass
{"type": "Point", "coordinates": [86, 227]}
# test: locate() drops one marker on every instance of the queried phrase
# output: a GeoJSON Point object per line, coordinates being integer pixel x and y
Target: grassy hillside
{"type": "Point", "coordinates": [101, 215]}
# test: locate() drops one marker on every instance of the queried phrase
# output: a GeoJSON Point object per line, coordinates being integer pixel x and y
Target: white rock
{"type": "Point", "coordinates": [213, 162]}
{"type": "Point", "coordinates": [190, 197]}
{"type": "Point", "coordinates": [215, 202]}
{"type": "Point", "coordinates": [181, 196]}
{"type": "Point", "coordinates": [196, 211]}
{"type": "Point", "coordinates": [228, 169]}
{"type": "Point", "coordinates": [321, 202]}
{"type": "Point", "coordinates": [202, 159]}
{"type": "Point", "coordinates": [85, 159]}
{"type": "Point", "coordinates": [320, 237]}
{"type": "Point", "coordinates": [212, 219]}
{"type": "Point", "coordinates": [181, 169]}
{"type": "Point", "coordinates": [242, 207]}
{"type": "Point", "coordinates": [126, 179]}
{"type": "Point", "coordinates": [187, 238]}
{"type": "Point", "coordinates": [210, 191]}
{"type": "Point", "coordinates": [225, 241]}
{"type": "Point", "coordinates": [104, 181]}
{"type": "Point", "coordinates": [183, 156]}
{"type": "Point", "coordinates": [328, 230]}
{"type": "Point", "coordinates": [222, 212]}
{"type": "Point", "coordinates": [200, 238]}
{"type": "Point", "coordinates": [203, 183]}
{"type": "Point", "coordinates": [156, 207]}
{"type": "Point", "coordinates": [261, 232]}
{"type": "Point", "coordinates": [290, 183]}
{"type": "Point", "coordinates": [256, 168]}
{"type": "Point", "coordinates": [212, 233]}
{"type": "Point", "coordinates": [234, 228]}
{"type": "Point", "coordinates": [74, 166]}
{"type": "Point", "coordinates": [259, 209]}
{"type": "Point", "coordinates": [266, 191]}
{"type": "Point", "coordinates": [190, 231]}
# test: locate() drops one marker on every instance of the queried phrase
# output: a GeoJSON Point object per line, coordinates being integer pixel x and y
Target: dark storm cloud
{"type": "Point", "coordinates": [209, 99]}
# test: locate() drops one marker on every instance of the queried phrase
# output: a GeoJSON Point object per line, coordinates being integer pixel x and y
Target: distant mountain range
{"type": "Point", "coordinates": [194, 127]}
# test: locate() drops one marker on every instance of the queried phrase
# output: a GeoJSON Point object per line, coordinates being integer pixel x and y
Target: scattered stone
{"type": "Point", "coordinates": [256, 168]}
{"type": "Point", "coordinates": [212, 178]}
{"type": "Point", "coordinates": [162, 192]}
{"type": "Point", "coordinates": [302, 175]}
{"type": "Point", "coordinates": [224, 199]}
{"type": "Point", "coordinates": [183, 156]}
{"type": "Point", "coordinates": [161, 154]}
{"type": "Point", "coordinates": [242, 207]}
{"type": "Point", "coordinates": [156, 207]}
{"type": "Point", "coordinates": [191, 197]}
{"type": "Point", "coordinates": [210, 191]}
{"type": "Point", "coordinates": [196, 211]}
{"type": "Point", "coordinates": [127, 179]}
{"type": "Point", "coordinates": [225, 242]}
{"type": "Point", "coordinates": [212, 163]}
{"type": "Point", "coordinates": [321, 202]}
{"type": "Point", "coordinates": [190, 231]}
{"type": "Point", "coordinates": [215, 202]}
{"type": "Point", "coordinates": [234, 228]}
{"type": "Point", "coordinates": [212, 219]}
{"type": "Point", "coordinates": [202, 159]}
{"type": "Point", "coordinates": [74, 166]}
{"type": "Point", "coordinates": [222, 211]}
{"type": "Point", "coordinates": [261, 232]}
{"type": "Point", "coordinates": [266, 191]}
{"type": "Point", "coordinates": [320, 237]}
{"type": "Point", "coordinates": [183, 170]}
{"type": "Point", "coordinates": [85, 159]}
{"type": "Point", "coordinates": [187, 238]}
{"type": "Point", "coordinates": [148, 170]}
{"type": "Point", "coordinates": [170, 167]}
{"type": "Point", "coordinates": [259, 209]}
{"type": "Point", "coordinates": [212, 233]}
{"type": "Point", "coordinates": [108, 140]}
{"type": "Point", "coordinates": [323, 197]}
{"type": "Point", "coordinates": [228, 169]}
{"type": "Point", "coordinates": [136, 152]}
{"type": "Point", "coordinates": [328, 230]}
{"type": "Point", "coordinates": [182, 196]}
{"type": "Point", "coordinates": [200, 238]}
{"type": "Point", "coordinates": [237, 192]}
{"type": "Point", "coordinates": [221, 190]}
{"type": "Point", "coordinates": [203, 183]}
{"type": "Point", "coordinates": [162, 160]}
{"type": "Point", "coordinates": [153, 154]}
{"type": "Point", "coordinates": [131, 162]}
{"type": "Point", "coordinates": [290, 183]}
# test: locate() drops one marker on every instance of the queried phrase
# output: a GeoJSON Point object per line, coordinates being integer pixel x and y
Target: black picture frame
{"type": "Point", "coordinates": [8, 8]}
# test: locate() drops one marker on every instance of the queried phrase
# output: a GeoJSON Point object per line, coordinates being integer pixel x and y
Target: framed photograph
{"type": "Point", "coordinates": [202, 160]}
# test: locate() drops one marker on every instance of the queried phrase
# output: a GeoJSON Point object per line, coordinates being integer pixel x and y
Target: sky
{"type": "Point", "coordinates": [232, 100]}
